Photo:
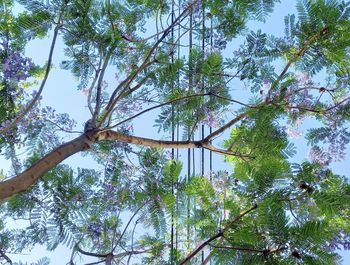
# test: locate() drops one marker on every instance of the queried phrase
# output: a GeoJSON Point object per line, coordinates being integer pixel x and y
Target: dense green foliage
{"type": "Point", "coordinates": [141, 204]}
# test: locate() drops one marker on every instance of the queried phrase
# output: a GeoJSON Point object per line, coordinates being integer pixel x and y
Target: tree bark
{"type": "Point", "coordinates": [30, 176]}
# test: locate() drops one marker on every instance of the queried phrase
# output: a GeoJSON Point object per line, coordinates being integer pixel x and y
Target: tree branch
{"type": "Point", "coordinates": [158, 106]}
{"type": "Point", "coordinates": [24, 180]}
{"type": "Point", "coordinates": [114, 99]}
{"type": "Point", "coordinates": [99, 86]}
{"type": "Point", "coordinates": [86, 253]}
{"type": "Point", "coordinates": [111, 256]}
{"type": "Point", "coordinates": [226, 126]}
{"type": "Point", "coordinates": [296, 56]}
{"type": "Point", "coordinates": [125, 138]}
{"type": "Point", "coordinates": [2, 254]}
{"type": "Point", "coordinates": [126, 227]}
{"type": "Point", "coordinates": [97, 73]}
{"type": "Point", "coordinates": [218, 235]}
{"type": "Point", "coordinates": [240, 248]}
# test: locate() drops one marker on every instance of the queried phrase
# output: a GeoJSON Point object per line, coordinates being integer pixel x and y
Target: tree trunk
{"type": "Point", "coordinates": [30, 176]}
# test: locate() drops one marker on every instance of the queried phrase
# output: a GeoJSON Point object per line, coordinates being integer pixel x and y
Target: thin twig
{"type": "Point", "coordinates": [158, 106]}
{"type": "Point", "coordinates": [299, 54]}
{"type": "Point", "coordinates": [127, 225]}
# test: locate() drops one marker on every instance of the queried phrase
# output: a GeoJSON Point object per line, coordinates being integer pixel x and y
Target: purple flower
{"type": "Point", "coordinates": [317, 155]}
{"type": "Point", "coordinates": [342, 240]}
{"type": "Point", "coordinates": [212, 120]}
{"type": "Point", "coordinates": [95, 228]}
{"type": "Point", "coordinates": [294, 133]}
{"type": "Point", "coordinates": [17, 68]}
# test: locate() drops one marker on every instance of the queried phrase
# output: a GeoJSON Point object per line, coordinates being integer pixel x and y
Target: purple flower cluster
{"type": "Point", "coordinates": [17, 68]}
{"type": "Point", "coordinates": [213, 119]}
{"type": "Point", "coordinates": [95, 228]}
{"type": "Point", "coordinates": [342, 240]}
{"type": "Point", "coordinates": [109, 193]}
{"type": "Point", "coordinates": [319, 156]}
{"type": "Point", "coordinates": [293, 130]}
{"type": "Point", "coordinates": [109, 189]}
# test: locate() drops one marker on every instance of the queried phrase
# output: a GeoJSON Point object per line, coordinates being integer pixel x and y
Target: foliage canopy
{"type": "Point", "coordinates": [180, 60]}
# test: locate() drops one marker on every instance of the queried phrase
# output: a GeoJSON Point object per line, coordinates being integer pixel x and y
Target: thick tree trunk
{"type": "Point", "coordinates": [30, 176]}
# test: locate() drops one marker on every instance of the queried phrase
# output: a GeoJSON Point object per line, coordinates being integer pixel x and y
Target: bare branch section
{"type": "Point", "coordinates": [159, 106]}
{"type": "Point", "coordinates": [99, 85]}
{"type": "Point", "coordinates": [31, 104]}
{"type": "Point", "coordinates": [126, 227]}
{"type": "Point", "coordinates": [125, 138]}
{"type": "Point", "coordinates": [3, 255]}
{"type": "Point", "coordinates": [226, 126]}
{"type": "Point", "coordinates": [180, 99]}
{"type": "Point", "coordinates": [111, 256]}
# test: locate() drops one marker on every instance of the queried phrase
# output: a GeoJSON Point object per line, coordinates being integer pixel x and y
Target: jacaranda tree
{"type": "Point", "coordinates": [143, 203]}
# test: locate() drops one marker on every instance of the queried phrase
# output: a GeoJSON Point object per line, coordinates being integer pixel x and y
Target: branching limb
{"type": "Point", "coordinates": [132, 240]}
{"type": "Point", "coordinates": [319, 111]}
{"type": "Point", "coordinates": [216, 236]}
{"type": "Point", "coordinates": [176, 100]}
{"type": "Point", "coordinates": [99, 85]}
{"type": "Point", "coordinates": [89, 98]}
{"type": "Point", "coordinates": [125, 138]}
{"type": "Point", "coordinates": [3, 255]}
{"type": "Point", "coordinates": [24, 180]}
{"type": "Point", "coordinates": [159, 106]}
{"type": "Point", "coordinates": [233, 101]}
{"type": "Point", "coordinates": [126, 227]}
{"type": "Point", "coordinates": [126, 85]}
{"type": "Point", "coordinates": [90, 254]}
{"type": "Point", "coordinates": [265, 252]}
{"type": "Point", "coordinates": [111, 256]}
{"type": "Point", "coordinates": [292, 212]}
{"type": "Point", "coordinates": [298, 55]}
{"type": "Point", "coordinates": [30, 176]}
{"type": "Point", "coordinates": [130, 79]}
{"type": "Point", "coordinates": [97, 262]}
{"type": "Point", "coordinates": [225, 127]}
{"type": "Point", "coordinates": [240, 248]}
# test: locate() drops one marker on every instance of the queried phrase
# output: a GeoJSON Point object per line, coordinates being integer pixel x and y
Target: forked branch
{"type": "Point", "coordinates": [127, 82]}
{"type": "Point", "coordinates": [218, 235]}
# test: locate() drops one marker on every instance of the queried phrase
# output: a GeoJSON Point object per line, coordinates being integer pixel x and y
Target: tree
{"type": "Point", "coordinates": [266, 211]}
